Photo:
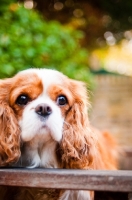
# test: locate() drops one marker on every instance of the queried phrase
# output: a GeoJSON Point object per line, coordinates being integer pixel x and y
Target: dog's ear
{"type": "Point", "coordinates": [9, 129]}
{"type": "Point", "coordinates": [76, 145]}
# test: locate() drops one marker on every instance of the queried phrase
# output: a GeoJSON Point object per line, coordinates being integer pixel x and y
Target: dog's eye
{"type": "Point", "coordinates": [22, 100]}
{"type": "Point", "coordinates": [61, 100]}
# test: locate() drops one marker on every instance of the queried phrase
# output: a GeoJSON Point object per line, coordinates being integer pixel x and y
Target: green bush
{"type": "Point", "coordinates": [4, 5]}
{"type": "Point", "coordinates": [27, 40]}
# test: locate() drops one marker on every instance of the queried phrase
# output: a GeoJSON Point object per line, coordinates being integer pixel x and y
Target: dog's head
{"type": "Point", "coordinates": [46, 104]}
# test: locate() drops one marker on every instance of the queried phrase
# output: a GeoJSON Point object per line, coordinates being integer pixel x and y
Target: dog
{"type": "Point", "coordinates": [44, 115]}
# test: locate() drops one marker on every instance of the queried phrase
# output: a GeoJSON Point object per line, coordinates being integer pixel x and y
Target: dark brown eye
{"type": "Point", "coordinates": [22, 100]}
{"type": "Point", "coordinates": [61, 100]}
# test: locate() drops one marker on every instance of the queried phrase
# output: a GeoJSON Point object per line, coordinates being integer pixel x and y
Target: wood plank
{"type": "Point", "coordinates": [98, 180]}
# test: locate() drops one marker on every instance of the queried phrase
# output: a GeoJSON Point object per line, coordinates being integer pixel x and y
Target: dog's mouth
{"type": "Point", "coordinates": [44, 124]}
{"type": "Point", "coordinates": [43, 118]}
{"type": "Point", "coordinates": [45, 127]}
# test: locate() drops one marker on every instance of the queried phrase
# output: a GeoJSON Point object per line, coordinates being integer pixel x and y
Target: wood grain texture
{"type": "Point", "coordinates": [68, 179]}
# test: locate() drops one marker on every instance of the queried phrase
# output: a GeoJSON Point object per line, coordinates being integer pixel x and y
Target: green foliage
{"type": "Point", "coordinates": [4, 5]}
{"type": "Point", "coordinates": [27, 40]}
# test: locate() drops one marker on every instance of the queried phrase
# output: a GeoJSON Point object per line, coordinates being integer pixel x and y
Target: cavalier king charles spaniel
{"type": "Point", "coordinates": [44, 123]}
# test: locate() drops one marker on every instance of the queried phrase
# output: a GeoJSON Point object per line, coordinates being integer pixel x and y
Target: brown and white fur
{"type": "Point", "coordinates": [48, 112]}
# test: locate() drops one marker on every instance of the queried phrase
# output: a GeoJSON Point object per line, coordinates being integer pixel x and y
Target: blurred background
{"type": "Point", "coordinates": [89, 40]}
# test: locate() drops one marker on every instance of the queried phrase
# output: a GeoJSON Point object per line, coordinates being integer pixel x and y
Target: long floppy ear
{"type": "Point", "coordinates": [77, 147]}
{"type": "Point", "coordinates": [9, 129]}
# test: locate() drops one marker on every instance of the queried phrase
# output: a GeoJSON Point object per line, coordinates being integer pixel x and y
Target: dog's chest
{"type": "Point", "coordinates": [38, 154]}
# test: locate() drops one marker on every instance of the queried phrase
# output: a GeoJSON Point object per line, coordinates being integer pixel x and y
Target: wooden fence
{"type": "Point", "coordinates": [106, 181]}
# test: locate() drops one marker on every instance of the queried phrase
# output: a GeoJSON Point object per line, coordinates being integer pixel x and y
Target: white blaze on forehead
{"type": "Point", "coordinates": [48, 76]}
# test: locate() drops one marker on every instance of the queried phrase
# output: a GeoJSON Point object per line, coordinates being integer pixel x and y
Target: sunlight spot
{"type": "Point", "coordinates": [58, 6]}
{"type": "Point", "coordinates": [110, 39]}
{"type": "Point", "coordinates": [78, 13]}
{"type": "Point", "coordinates": [29, 4]}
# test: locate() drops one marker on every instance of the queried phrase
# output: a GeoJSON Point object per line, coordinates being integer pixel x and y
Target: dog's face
{"type": "Point", "coordinates": [45, 105]}
{"type": "Point", "coordinates": [40, 100]}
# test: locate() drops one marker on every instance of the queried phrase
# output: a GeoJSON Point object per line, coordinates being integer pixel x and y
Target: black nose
{"type": "Point", "coordinates": [43, 110]}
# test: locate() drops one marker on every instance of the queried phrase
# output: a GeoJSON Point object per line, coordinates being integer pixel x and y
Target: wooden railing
{"type": "Point", "coordinates": [98, 180]}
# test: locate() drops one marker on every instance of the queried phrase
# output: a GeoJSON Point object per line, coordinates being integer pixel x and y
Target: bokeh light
{"type": "Point", "coordinates": [29, 4]}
